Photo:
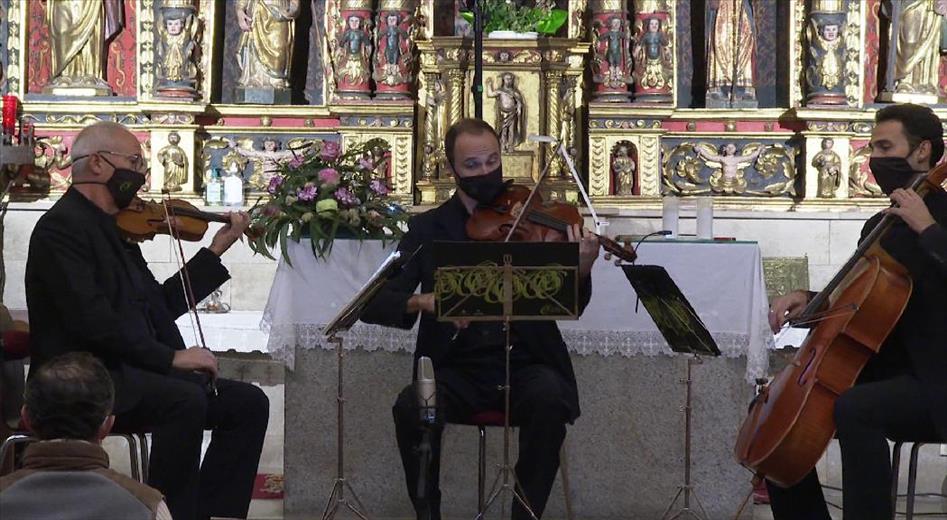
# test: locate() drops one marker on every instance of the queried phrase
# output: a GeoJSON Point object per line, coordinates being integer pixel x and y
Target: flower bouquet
{"type": "Point", "coordinates": [323, 194]}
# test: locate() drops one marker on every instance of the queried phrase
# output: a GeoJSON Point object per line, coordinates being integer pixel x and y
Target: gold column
{"type": "Point", "coordinates": [456, 79]}
{"type": "Point", "coordinates": [553, 79]}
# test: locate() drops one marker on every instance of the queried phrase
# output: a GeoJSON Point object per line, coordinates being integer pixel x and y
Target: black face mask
{"type": "Point", "coordinates": [483, 188]}
{"type": "Point", "coordinates": [123, 185]}
{"type": "Point", "coordinates": [891, 173]}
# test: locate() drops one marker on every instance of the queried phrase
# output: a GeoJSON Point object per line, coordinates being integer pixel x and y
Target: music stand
{"type": "Point", "coordinates": [686, 334]}
{"type": "Point", "coordinates": [506, 281]}
{"type": "Point", "coordinates": [343, 321]}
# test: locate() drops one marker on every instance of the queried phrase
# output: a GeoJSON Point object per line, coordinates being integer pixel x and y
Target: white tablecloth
{"type": "Point", "coordinates": [723, 281]}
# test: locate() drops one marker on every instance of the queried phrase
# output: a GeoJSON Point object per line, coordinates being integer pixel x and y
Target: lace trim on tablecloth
{"type": "Point", "coordinates": [285, 339]}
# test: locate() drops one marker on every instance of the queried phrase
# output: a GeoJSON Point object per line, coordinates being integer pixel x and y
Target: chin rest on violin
{"type": "Point", "coordinates": [547, 221]}
{"type": "Point", "coordinates": [144, 219]}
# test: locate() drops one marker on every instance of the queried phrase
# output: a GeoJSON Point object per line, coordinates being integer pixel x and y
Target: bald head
{"type": "Point", "coordinates": [103, 136]}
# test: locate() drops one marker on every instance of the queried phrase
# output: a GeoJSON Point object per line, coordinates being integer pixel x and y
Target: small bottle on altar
{"type": "Point", "coordinates": [233, 187]}
{"type": "Point", "coordinates": [213, 193]}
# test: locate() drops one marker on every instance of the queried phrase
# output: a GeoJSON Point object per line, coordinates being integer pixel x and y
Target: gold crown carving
{"type": "Point", "coordinates": [178, 4]}
{"type": "Point", "coordinates": [356, 4]}
{"type": "Point", "coordinates": [396, 5]}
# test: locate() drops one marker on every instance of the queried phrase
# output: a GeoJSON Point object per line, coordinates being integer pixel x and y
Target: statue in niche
{"type": "Point", "coordinates": [78, 32]}
{"type": "Point", "coordinates": [623, 170]}
{"type": "Point", "coordinates": [266, 162]}
{"type": "Point", "coordinates": [431, 162]}
{"type": "Point", "coordinates": [731, 47]}
{"type": "Point", "coordinates": [393, 44]}
{"type": "Point", "coordinates": [510, 111]}
{"type": "Point", "coordinates": [825, 74]}
{"type": "Point", "coordinates": [265, 51]}
{"type": "Point", "coordinates": [567, 115]}
{"type": "Point", "coordinates": [652, 57]}
{"type": "Point", "coordinates": [354, 51]}
{"type": "Point", "coordinates": [436, 111]}
{"type": "Point", "coordinates": [727, 176]}
{"type": "Point", "coordinates": [381, 161]}
{"type": "Point", "coordinates": [829, 166]}
{"type": "Point", "coordinates": [176, 70]}
{"type": "Point", "coordinates": [916, 43]}
{"type": "Point", "coordinates": [174, 161]}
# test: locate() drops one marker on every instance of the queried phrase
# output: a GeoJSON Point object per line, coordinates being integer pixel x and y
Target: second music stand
{"type": "Point", "coordinates": [686, 334]}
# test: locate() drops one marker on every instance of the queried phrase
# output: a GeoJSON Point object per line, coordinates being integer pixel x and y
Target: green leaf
{"type": "Point", "coordinates": [551, 23]}
{"type": "Point", "coordinates": [282, 245]}
{"type": "Point", "coordinates": [468, 16]}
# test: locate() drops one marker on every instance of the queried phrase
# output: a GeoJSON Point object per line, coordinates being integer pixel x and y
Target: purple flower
{"type": "Point", "coordinates": [379, 187]}
{"type": "Point", "coordinates": [296, 161]}
{"type": "Point", "coordinates": [275, 182]}
{"type": "Point", "coordinates": [330, 151]}
{"type": "Point", "coordinates": [329, 176]}
{"type": "Point", "coordinates": [366, 164]}
{"type": "Point", "coordinates": [346, 197]}
{"type": "Point", "coordinates": [307, 193]}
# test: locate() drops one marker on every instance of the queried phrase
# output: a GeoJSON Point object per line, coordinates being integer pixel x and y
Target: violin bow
{"type": "Point", "coordinates": [185, 281]}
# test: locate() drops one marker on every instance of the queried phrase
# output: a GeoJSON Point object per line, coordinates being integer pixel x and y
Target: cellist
{"type": "Point", "coordinates": [902, 393]}
{"type": "Point", "coordinates": [89, 290]}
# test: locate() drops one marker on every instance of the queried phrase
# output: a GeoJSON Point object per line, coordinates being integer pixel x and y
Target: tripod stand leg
{"type": "Point", "coordinates": [332, 504]}
{"type": "Point", "coordinates": [670, 506]}
{"type": "Point", "coordinates": [357, 507]}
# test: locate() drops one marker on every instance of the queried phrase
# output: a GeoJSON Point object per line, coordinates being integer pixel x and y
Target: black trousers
{"type": "Point", "coordinates": [866, 416]}
{"type": "Point", "coordinates": [537, 408]}
{"type": "Point", "coordinates": [177, 410]}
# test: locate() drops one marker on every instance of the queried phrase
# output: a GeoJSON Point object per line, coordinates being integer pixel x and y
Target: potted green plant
{"type": "Point", "coordinates": [504, 19]}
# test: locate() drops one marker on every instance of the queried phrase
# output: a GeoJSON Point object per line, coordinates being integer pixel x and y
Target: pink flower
{"type": "Point", "coordinates": [275, 182]}
{"type": "Point", "coordinates": [271, 210]}
{"type": "Point", "coordinates": [379, 187]}
{"type": "Point", "coordinates": [329, 176]}
{"type": "Point", "coordinates": [330, 151]}
{"type": "Point", "coordinates": [307, 193]}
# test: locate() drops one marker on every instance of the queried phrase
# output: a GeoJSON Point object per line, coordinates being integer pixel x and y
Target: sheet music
{"type": "Point", "coordinates": [350, 313]}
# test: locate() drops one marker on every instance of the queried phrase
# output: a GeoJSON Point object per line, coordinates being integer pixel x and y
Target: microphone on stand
{"type": "Point", "coordinates": [427, 400]}
{"type": "Point", "coordinates": [427, 391]}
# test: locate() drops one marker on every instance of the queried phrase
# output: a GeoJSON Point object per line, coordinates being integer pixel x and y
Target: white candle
{"type": "Point", "coordinates": [705, 218]}
{"type": "Point", "coordinates": [670, 211]}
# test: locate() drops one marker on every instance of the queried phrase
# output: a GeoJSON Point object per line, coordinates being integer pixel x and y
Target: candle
{"type": "Point", "coordinates": [11, 107]}
{"type": "Point", "coordinates": [670, 210]}
{"type": "Point", "coordinates": [705, 218]}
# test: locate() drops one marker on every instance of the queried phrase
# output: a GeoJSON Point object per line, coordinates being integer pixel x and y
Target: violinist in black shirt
{"type": "Point", "coordinates": [469, 363]}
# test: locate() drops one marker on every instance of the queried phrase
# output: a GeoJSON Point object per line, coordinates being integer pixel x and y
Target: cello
{"type": "Point", "coordinates": [790, 423]}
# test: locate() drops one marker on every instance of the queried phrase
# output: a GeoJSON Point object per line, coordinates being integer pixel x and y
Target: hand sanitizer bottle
{"type": "Point", "coordinates": [213, 195]}
{"type": "Point", "coordinates": [233, 187]}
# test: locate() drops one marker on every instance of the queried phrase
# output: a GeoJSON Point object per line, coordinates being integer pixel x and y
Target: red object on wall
{"type": "Point", "coordinates": [11, 107]}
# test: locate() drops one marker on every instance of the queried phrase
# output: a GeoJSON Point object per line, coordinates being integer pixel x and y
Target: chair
{"type": "Point", "coordinates": [911, 494]}
{"type": "Point", "coordinates": [15, 347]}
{"type": "Point", "coordinates": [496, 418]}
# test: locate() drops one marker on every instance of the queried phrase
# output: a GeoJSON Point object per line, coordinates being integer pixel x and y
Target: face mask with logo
{"type": "Point", "coordinates": [892, 173]}
{"type": "Point", "coordinates": [483, 188]}
{"type": "Point", "coordinates": [123, 185]}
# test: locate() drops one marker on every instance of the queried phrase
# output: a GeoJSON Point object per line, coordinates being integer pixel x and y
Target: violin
{"type": "Point", "coordinates": [143, 219]}
{"type": "Point", "coordinates": [544, 221]}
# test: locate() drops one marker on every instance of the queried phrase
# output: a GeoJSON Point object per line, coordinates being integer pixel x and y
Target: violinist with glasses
{"type": "Point", "coordinates": [88, 288]}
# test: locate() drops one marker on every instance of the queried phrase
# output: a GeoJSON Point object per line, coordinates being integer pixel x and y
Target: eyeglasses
{"type": "Point", "coordinates": [136, 161]}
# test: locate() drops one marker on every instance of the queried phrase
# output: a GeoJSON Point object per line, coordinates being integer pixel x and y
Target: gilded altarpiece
{"type": "Point", "coordinates": [821, 69]}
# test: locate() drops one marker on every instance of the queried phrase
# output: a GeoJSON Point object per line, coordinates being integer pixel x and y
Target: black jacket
{"type": "Point", "coordinates": [87, 289]}
{"type": "Point", "coordinates": [446, 223]}
{"type": "Point", "coordinates": [918, 343]}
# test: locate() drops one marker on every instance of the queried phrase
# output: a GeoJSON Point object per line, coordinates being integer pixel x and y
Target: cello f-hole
{"type": "Point", "coordinates": [804, 376]}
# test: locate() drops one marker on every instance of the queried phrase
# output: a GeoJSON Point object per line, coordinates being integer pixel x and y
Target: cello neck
{"type": "Point", "coordinates": [922, 185]}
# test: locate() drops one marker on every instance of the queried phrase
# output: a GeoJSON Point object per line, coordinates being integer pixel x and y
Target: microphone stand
{"type": "Point", "coordinates": [477, 86]}
{"type": "Point", "coordinates": [427, 424]}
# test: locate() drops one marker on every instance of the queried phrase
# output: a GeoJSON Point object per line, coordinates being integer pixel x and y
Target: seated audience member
{"type": "Point", "coordinates": [66, 473]}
